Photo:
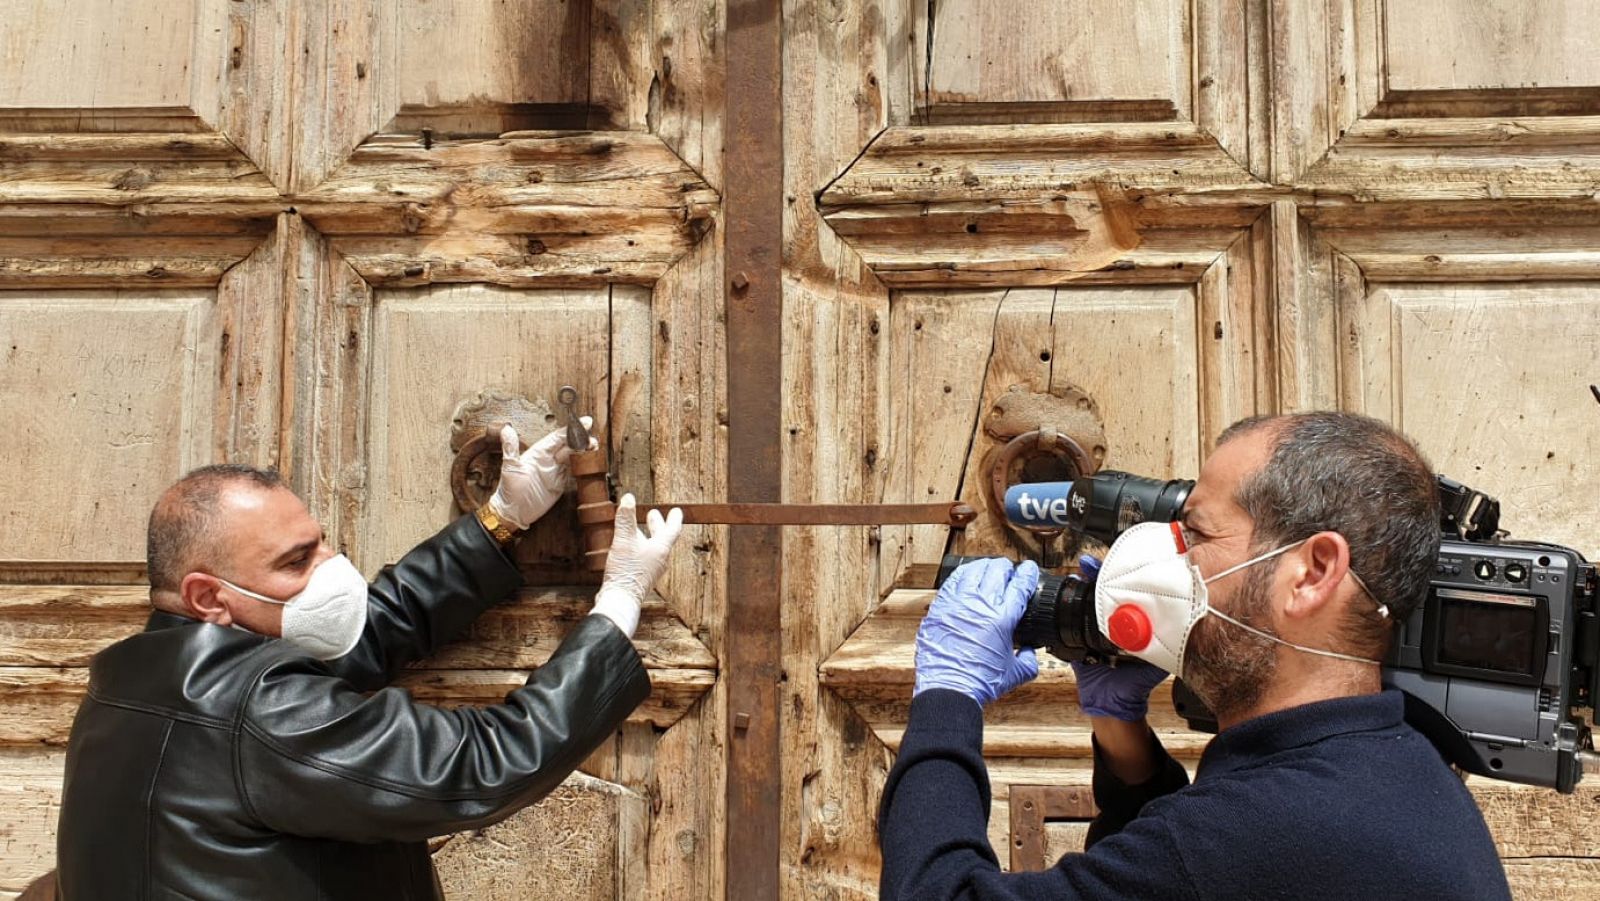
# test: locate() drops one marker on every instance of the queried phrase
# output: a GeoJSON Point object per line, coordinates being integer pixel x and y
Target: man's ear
{"type": "Point", "coordinates": [1318, 568]}
{"type": "Point", "coordinates": [200, 595]}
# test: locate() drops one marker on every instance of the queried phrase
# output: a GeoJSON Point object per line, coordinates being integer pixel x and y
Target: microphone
{"type": "Point", "coordinates": [1042, 505]}
{"type": "Point", "coordinates": [1100, 505]}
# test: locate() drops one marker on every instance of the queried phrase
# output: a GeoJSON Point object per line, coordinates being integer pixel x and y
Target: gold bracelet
{"type": "Point", "coordinates": [503, 532]}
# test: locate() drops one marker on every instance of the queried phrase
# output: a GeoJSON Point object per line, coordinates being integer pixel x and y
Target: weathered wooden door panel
{"type": "Point", "coordinates": [435, 349]}
{"type": "Point", "coordinates": [1446, 78]}
{"type": "Point", "coordinates": [1494, 378]}
{"type": "Point", "coordinates": [303, 236]}
{"type": "Point", "coordinates": [1194, 212]}
{"type": "Point", "coordinates": [1145, 62]}
{"type": "Point", "coordinates": [145, 395]}
{"type": "Point", "coordinates": [113, 66]}
{"type": "Point", "coordinates": [318, 228]}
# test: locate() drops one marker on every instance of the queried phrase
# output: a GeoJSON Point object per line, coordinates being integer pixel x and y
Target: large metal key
{"type": "Point", "coordinates": [577, 435]}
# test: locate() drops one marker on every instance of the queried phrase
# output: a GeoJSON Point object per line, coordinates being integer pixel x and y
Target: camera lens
{"type": "Point", "coordinates": [1059, 618]}
{"type": "Point", "coordinates": [1037, 628]}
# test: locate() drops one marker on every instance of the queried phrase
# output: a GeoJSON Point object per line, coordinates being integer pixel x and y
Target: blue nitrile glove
{"type": "Point", "coordinates": [1120, 690]}
{"type": "Point", "coordinates": [964, 643]}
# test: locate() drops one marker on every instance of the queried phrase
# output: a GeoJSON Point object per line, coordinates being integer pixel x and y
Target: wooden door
{"type": "Point", "coordinates": [304, 235]}
{"type": "Point", "coordinates": [1190, 212]}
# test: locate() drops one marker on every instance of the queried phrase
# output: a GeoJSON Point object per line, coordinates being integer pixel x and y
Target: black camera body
{"type": "Point", "coordinates": [1496, 664]}
{"type": "Point", "coordinates": [1498, 655]}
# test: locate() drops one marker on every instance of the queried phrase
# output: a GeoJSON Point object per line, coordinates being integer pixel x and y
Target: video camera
{"type": "Point", "coordinates": [1497, 663]}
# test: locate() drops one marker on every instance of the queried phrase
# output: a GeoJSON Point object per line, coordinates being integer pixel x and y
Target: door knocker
{"type": "Point", "coordinates": [1051, 437]}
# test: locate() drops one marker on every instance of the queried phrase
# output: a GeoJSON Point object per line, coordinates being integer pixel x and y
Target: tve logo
{"type": "Point", "coordinates": [1041, 504]}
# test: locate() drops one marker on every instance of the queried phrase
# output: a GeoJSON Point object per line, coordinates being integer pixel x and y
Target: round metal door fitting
{"type": "Point", "coordinates": [1042, 455]}
{"type": "Point", "coordinates": [475, 438]}
{"type": "Point", "coordinates": [1048, 437]}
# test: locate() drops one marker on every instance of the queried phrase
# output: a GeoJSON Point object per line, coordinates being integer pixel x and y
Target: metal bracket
{"type": "Point", "coordinates": [1033, 806]}
{"type": "Point", "coordinates": [1053, 436]}
{"type": "Point", "coordinates": [475, 439]}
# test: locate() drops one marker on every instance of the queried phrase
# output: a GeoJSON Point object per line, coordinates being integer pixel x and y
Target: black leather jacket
{"type": "Point", "coordinates": [208, 762]}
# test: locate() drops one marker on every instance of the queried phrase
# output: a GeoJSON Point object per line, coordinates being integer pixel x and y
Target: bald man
{"type": "Point", "coordinates": [246, 744]}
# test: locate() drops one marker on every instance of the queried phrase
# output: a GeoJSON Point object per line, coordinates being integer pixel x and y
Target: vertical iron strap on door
{"type": "Point", "coordinates": [753, 218]}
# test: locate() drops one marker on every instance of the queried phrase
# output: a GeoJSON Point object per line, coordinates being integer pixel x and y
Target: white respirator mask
{"type": "Point", "coordinates": [327, 617]}
{"type": "Point", "coordinates": [1149, 596]}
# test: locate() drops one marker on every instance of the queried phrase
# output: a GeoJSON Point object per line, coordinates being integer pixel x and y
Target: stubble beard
{"type": "Point", "coordinates": [1227, 667]}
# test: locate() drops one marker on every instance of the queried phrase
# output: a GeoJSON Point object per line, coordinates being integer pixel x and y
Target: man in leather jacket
{"type": "Point", "coordinates": [270, 759]}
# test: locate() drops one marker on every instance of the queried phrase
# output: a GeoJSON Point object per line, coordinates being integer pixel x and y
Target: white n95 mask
{"type": "Point", "coordinates": [327, 617]}
{"type": "Point", "coordinates": [1148, 596]}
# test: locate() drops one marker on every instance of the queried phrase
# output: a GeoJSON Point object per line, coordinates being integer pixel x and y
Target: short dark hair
{"type": "Point", "coordinates": [1351, 474]}
{"type": "Point", "coordinates": [182, 525]}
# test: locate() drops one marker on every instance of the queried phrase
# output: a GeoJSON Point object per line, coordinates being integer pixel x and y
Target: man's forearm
{"type": "Point", "coordinates": [1125, 747]}
{"type": "Point", "coordinates": [383, 767]}
{"type": "Point", "coordinates": [933, 825]}
{"type": "Point", "coordinates": [1131, 768]}
{"type": "Point", "coordinates": [427, 598]}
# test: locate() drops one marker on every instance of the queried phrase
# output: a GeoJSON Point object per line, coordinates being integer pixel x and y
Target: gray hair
{"type": "Point", "coordinates": [1351, 474]}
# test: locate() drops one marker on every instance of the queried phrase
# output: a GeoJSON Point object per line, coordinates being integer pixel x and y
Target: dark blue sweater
{"type": "Point", "coordinates": [1339, 800]}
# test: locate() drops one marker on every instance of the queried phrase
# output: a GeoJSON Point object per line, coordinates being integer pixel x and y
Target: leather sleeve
{"type": "Point", "coordinates": [431, 596]}
{"type": "Point", "coordinates": [317, 758]}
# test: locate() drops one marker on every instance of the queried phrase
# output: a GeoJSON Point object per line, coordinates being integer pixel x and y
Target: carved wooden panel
{"type": "Point", "coordinates": [329, 190]}
{"type": "Point", "coordinates": [1368, 75]}
{"type": "Point", "coordinates": [1014, 205]}
{"type": "Point", "coordinates": [1196, 341]}
{"type": "Point", "coordinates": [489, 60]}
{"type": "Point", "coordinates": [1447, 45]}
{"type": "Point", "coordinates": [1081, 61]}
{"type": "Point", "coordinates": [111, 65]}
{"type": "Point", "coordinates": [963, 351]}
{"type": "Point", "coordinates": [572, 844]}
{"type": "Point", "coordinates": [435, 348]}
{"type": "Point", "coordinates": [980, 54]}
{"type": "Point", "coordinates": [140, 405]}
{"type": "Point", "coordinates": [1168, 365]}
{"type": "Point", "coordinates": [29, 795]}
{"type": "Point", "coordinates": [552, 208]}
{"type": "Point", "coordinates": [1479, 341]}
{"type": "Point", "coordinates": [1493, 380]}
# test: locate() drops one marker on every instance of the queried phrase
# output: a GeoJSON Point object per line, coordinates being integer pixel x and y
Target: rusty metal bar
{"type": "Point", "coordinates": [752, 200]}
{"type": "Point", "coordinates": [950, 514]}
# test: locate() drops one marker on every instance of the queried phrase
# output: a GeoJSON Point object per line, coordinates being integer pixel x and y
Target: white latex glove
{"type": "Point", "coordinates": [635, 562]}
{"type": "Point", "coordinates": [531, 482]}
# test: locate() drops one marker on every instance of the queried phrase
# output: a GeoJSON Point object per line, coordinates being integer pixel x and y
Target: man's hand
{"type": "Point", "coordinates": [635, 562]}
{"type": "Point", "coordinates": [1119, 690]}
{"type": "Point", "coordinates": [532, 481]}
{"type": "Point", "coordinates": [964, 643]}
{"type": "Point", "coordinates": [1116, 696]}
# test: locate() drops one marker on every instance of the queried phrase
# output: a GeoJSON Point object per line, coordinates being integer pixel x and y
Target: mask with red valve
{"type": "Point", "coordinates": [1149, 596]}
